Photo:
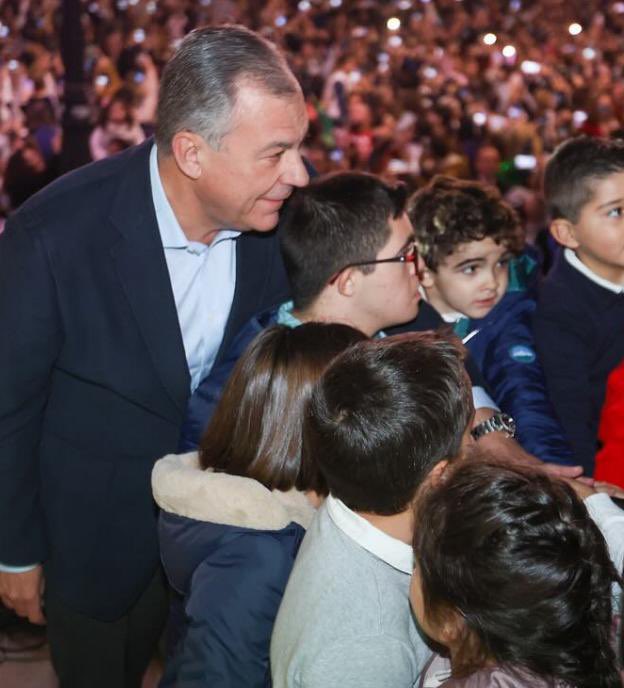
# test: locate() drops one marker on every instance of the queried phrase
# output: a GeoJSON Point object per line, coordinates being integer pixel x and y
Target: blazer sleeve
{"type": "Point", "coordinates": [561, 346]}
{"type": "Point", "coordinates": [30, 340]}
{"type": "Point", "coordinates": [514, 373]}
{"type": "Point", "coordinates": [234, 598]}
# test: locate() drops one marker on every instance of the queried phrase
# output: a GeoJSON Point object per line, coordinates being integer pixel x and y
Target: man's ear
{"type": "Point", "coordinates": [563, 233]}
{"type": "Point", "coordinates": [187, 150]}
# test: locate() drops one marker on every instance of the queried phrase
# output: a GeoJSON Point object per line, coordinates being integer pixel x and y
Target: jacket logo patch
{"type": "Point", "coordinates": [522, 353]}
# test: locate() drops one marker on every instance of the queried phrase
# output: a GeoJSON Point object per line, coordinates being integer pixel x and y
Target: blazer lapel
{"type": "Point", "coordinates": [142, 270]}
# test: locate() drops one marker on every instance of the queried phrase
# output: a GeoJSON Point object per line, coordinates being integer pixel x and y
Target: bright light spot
{"type": "Point", "coordinates": [94, 8]}
{"type": "Point", "coordinates": [515, 5]}
{"type": "Point", "coordinates": [335, 3]}
{"type": "Point", "coordinates": [530, 67]}
{"type": "Point", "coordinates": [404, 4]}
{"type": "Point", "coordinates": [579, 117]}
{"type": "Point", "coordinates": [383, 57]}
{"type": "Point", "coordinates": [574, 29]}
{"type": "Point", "coordinates": [489, 38]}
{"type": "Point", "coordinates": [509, 51]}
{"type": "Point", "coordinates": [394, 23]}
{"type": "Point", "coordinates": [304, 6]}
{"type": "Point", "coordinates": [281, 20]}
{"type": "Point", "coordinates": [430, 72]}
{"type": "Point", "coordinates": [151, 7]}
{"type": "Point", "coordinates": [355, 76]}
{"type": "Point", "coordinates": [589, 53]}
{"type": "Point", "coordinates": [4, 31]}
{"type": "Point", "coordinates": [395, 41]}
{"type": "Point", "coordinates": [122, 5]}
{"type": "Point", "coordinates": [425, 2]}
{"type": "Point", "coordinates": [133, 2]}
{"type": "Point", "coordinates": [101, 80]}
{"type": "Point", "coordinates": [618, 7]}
{"type": "Point", "coordinates": [479, 118]}
{"type": "Point", "coordinates": [138, 35]}
{"type": "Point", "coordinates": [205, 3]}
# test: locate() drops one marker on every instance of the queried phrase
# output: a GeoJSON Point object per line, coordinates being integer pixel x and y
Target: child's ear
{"type": "Point", "coordinates": [562, 231]}
{"type": "Point", "coordinates": [437, 473]}
{"type": "Point", "coordinates": [427, 278]}
{"type": "Point", "coordinates": [346, 282]}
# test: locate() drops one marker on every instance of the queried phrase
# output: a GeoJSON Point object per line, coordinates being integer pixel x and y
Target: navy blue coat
{"type": "Point", "coordinates": [502, 346]}
{"type": "Point", "coordinates": [94, 380]}
{"type": "Point", "coordinates": [228, 545]}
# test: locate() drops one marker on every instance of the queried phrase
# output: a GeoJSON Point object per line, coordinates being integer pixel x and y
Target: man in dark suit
{"type": "Point", "coordinates": [120, 286]}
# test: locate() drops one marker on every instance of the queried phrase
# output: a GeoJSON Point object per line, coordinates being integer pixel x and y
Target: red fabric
{"type": "Point", "coordinates": [610, 459]}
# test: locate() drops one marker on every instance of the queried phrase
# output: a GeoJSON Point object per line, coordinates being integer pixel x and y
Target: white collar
{"type": "Point", "coordinates": [576, 263]}
{"type": "Point", "coordinates": [394, 552]}
{"type": "Point", "coordinates": [171, 234]}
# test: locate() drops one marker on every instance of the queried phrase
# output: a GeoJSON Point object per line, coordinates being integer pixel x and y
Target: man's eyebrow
{"type": "Point", "coordinates": [284, 145]}
{"type": "Point", "coordinates": [608, 203]}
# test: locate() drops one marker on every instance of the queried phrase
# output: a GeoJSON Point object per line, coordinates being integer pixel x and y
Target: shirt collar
{"type": "Point", "coordinates": [285, 316]}
{"type": "Point", "coordinates": [171, 234]}
{"type": "Point", "coordinates": [576, 263]}
{"type": "Point", "coordinates": [394, 552]}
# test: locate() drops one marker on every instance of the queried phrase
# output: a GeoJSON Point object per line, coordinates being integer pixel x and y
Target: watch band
{"type": "Point", "coordinates": [499, 422]}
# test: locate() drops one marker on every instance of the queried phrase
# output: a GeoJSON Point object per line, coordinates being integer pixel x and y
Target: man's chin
{"type": "Point", "coordinates": [265, 223]}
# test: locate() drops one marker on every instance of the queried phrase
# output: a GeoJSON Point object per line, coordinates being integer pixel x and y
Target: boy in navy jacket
{"type": "Point", "coordinates": [467, 236]}
{"type": "Point", "coordinates": [579, 322]}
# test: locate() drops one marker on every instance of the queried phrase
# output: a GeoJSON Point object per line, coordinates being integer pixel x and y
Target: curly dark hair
{"type": "Point", "coordinates": [517, 555]}
{"type": "Point", "coordinates": [448, 212]}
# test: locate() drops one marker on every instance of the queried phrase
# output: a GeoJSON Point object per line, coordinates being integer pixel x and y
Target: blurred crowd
{"type": "Point", "coordinates": [479, 89]}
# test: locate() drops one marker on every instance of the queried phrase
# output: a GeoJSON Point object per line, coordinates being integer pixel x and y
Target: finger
{"type": "Point", "coordinates": [586, 481]}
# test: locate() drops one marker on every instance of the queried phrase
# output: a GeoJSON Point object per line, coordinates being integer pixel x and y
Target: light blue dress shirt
{"type": "Point", "coordinates": [203, 278]}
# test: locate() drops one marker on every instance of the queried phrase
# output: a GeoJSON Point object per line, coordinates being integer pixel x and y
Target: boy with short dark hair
{"type": "Point", "coordinates": [579, 322]}
{"type": "Point", "coordinates": [386, 416]}
{"type": "Point", "coordinates": [467, 237]}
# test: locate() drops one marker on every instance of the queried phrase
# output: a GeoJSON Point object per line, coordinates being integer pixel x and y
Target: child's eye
{"type": "Point", "coordinates": [615, 212]}
{"type": "Point", "coordinates": [469, 269]}
{"type": "Point", "coordinates": [504, 262]}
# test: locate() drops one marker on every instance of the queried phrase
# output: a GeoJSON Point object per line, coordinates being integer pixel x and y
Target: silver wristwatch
{"type": "Point", "coordinates": [499, 422]}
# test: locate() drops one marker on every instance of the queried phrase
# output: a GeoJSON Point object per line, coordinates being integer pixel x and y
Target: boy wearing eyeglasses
{"type": "Point", "coordinates": [467, 236]}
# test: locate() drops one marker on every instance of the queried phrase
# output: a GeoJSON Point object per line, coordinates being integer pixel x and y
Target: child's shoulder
{"type": "Point", "coordinates": [497, 677]}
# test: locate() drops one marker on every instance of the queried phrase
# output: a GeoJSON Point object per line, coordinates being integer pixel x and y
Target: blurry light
{"type": "Point", "coordinates": [138, 35]}
{"type": "Point", "coordinates": [531, 67]}
{"type": "Point", "coordinates": [579, 117]}
{"type": "Point", "coordinates": [509, 51]}
{"type": "Point", "coordinates": [395, 41]}
{"type": "Point", "coordinates": [13, 65]}
{"type": "Point", "coordinates": [496, 122]}
{"type": "Point", "coordinates": [355, 76]}
{"type": "Point", "coordinates": [438, 52]}
{"type": "Point", "coordinates": [4, 31]}
{"type": "Point", "coordinates": [122, 5]}
{"type": "Point", "coordinates": [133, 2]}
{"type": "Point", "coordinates": [281, 20]}
{"type": "Point", "coordinates": [383, 57]}
{"type": "Point", "coordinates": [205, 3]}
{"type": "Point", "coordinates": [404, 4]}
{"type": "Point", "coordinates": [425, 2]}
{"type": "Point", "coordinates": [383, 67]}
{"type": "Point", "coordinates": [101, 80]}
{"type": "Point", "coordinates": [489, 38]}
{"type": "Point", "coordinates": [304, 6]}
{"type": "Point", "coordinates": [574, 29]}
{"type": "Point", "coordinates": [618, 7]}
{"type": "Point", "coordinates": [479, 118]}
{"type": "Point", "coordinates": [394, 23]}
{"type": "Point", "coordinates": [589, 53]}
{"type": "Point", "coordinates": [525, 162]}
{"type": "Point", "coordinates": [430, 72]}
{"type": "Point", "coordinates": [359, 31]}
{"type": "Point", "coordinates": [515, 5]}
{"type": "Point", "coordinates": [514, 112]}
{"type": "Point", "coordinates": [151, 7]}
{"type": "Point", "coordinates": [335, 3]}
{"type": "Point", "coordinates": [94, 8]}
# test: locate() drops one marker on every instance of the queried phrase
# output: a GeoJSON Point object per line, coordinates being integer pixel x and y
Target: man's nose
{"type": "Point", "coordinates": [295, 173]}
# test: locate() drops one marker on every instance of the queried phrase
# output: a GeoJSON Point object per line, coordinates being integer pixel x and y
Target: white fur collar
{"type": "Point", "coordinates": [181, 487]}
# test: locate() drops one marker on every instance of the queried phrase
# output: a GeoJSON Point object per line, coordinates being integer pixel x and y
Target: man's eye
{"type": "Point", "coordinates": [615, 212]}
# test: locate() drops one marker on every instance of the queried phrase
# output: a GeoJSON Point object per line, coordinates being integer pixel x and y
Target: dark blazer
{"type": "Point", "coordinates": [94, 381]}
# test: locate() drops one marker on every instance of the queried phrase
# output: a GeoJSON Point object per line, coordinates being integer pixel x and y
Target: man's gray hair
{"type": "Point", "coordinates": [199, 84]}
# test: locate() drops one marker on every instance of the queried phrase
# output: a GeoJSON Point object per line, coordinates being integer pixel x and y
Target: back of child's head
{"type": "Point", "coordinates": [449, 212]}
{"type": "Point", "coordinates": [383, 414]}
{"type": "Point", "coordinates": [256, 429]}
{"type": "Point", "coordinates": [512, 560]}
{"type": "Point", "coordinates": [574, 168]}
{"type": "Point", "coordinates": [334, 221]}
